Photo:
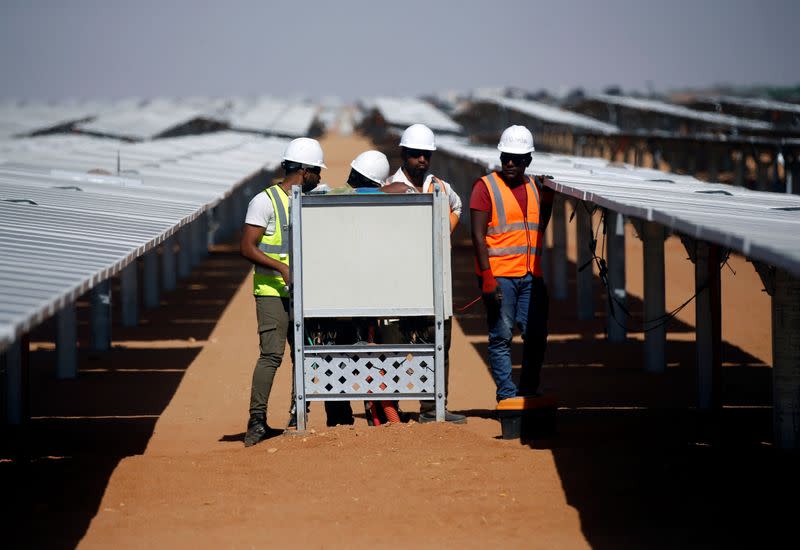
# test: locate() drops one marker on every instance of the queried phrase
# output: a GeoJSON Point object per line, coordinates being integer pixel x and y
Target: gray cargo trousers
{"type": "Point", "coordinates": [272, 313]}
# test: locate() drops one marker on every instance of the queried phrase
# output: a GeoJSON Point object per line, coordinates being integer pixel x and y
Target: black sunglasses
{"type": "Point", "coordinates": [416, 153]}
{"type": "Point", "coordinates": [517, 160]}
{"type": "Point", "coordinates": [313, 169]}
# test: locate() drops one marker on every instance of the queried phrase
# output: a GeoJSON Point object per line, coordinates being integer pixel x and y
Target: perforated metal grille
{"type": "Point", "coordinates": [379, 373]}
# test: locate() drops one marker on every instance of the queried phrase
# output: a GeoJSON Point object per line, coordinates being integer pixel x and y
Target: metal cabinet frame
{"type": "Point", "coordinates": [368, 372]}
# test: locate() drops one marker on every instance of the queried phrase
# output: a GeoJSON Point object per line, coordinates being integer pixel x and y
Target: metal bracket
{"type": "Point", "coordinates": [690, 244]}
{"type": "Point", "coordinates": [767, 274]}
{"type": "Point", "coordinates": [638, 225]}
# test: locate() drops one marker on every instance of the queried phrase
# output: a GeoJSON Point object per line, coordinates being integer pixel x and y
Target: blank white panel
{"type": "Point", "coordinates": [368, 258]}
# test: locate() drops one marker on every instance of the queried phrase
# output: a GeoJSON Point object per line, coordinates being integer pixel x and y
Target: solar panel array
{"type": "Point", "coordinates": [20, 119]}
{"type": "Point", "coordinates": [69, 219]}
{"type": "Point", "coordinates": [403, 112]}
{"type": "Point", "coordinates": [549, 114]}
{"type": "Point", "coordinates": [755, 103]}
{"type": "Point", "coordinates": [762, 226]}
{"type": "Point", "coordinates": [272, 116]}
{"type": "Point", "coordinates": [678, 111]}
{"type": "Point", "coordinates": [144, 123]}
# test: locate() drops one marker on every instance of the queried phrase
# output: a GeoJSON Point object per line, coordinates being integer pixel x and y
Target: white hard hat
{"type": "Point", "coordinates": [305, 151]}
{"type": "Point", "coordinates": [516, 140]}
{"type": "Point", "coordinates": [418, 136]}
{"type": "Point", "coordinates": [373, 165]}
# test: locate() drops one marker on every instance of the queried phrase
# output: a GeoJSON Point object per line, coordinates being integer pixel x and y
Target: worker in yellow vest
{"type": "Point", "coordinates": [265, 242]}
{"type": "Point", "coordinates": [509, 212]}
{"type": "Point", "coordinates": [417, 145]}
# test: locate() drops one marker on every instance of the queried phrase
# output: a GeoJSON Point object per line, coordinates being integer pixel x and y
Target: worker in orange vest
{"type": "Point", "coordinates": [509, 212]}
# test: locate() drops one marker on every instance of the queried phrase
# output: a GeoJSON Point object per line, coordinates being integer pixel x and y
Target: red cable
{"type": "Point", "coordinates": [469, 305]}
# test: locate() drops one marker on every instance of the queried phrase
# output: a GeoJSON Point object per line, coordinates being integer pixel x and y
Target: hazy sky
{"type": "Point", "coordinates": [110, 49]}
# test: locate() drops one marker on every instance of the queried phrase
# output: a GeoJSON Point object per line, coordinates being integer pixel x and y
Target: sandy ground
{"type": "Point", "coordinates": [144, 449]}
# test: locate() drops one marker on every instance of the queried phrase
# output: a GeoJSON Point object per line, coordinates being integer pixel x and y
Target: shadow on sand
{"type": "Point", "coordinates": [55, 468]}
{"type": "Point", "coordinates": [641, 465]}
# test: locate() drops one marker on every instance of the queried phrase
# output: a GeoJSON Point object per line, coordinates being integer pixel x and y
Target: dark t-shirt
{"type": "Point", "coordinates": [482, 201]}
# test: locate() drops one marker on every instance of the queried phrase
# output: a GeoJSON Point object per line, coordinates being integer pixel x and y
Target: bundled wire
{"type": "Point", "coordinates": [602, 267]}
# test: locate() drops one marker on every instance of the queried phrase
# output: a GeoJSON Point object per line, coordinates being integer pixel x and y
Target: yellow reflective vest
{"type": "Point", "coordinates": [266, 281]}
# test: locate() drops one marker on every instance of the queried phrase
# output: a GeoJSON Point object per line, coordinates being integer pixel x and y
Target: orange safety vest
{"type": "Point", "coordinates": [513, 237]}
{"type": "Point", "coordinates": [443, 187]}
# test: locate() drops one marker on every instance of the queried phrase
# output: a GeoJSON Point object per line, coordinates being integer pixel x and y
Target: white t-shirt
{"type": "Point", "coordinates": [261, 213]}
{"type": "Point", "coordinates": [452, 196]}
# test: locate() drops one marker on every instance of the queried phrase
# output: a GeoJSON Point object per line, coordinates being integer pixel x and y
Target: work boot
{"type": "Point", "coordinates": [430, 416]}
{"type": "Point", "coordinates": [338, 412]}
{"type": "Point", "coordinates": [257, 429]}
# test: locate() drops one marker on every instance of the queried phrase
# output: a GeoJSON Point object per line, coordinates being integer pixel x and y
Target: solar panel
{"type": "Point", "coordinates": [63, 230]}
{"type": "Point", "coordinates": [763, 226]}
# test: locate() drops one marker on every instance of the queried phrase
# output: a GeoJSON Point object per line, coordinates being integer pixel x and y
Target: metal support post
{"type": "Point", "coordinates": [184, 252]}
{"type": "Point", "coordinates": [672, 160]}
{"type": "Point", "coordinates": [558, 221]}
{"type": "Point", "coordinates": [585, 296]}
{"type": "Point", "coordinates": [762, 175]}
{"type": "Point", "coordinates": [786, 360]}
{"type": "Point", "coordinates": [152, 291]}
{"type": "Point", "coordinates": [616, 277]}
{"type": "Point", "coordinates": [793, 177]}
{"type": "Point", "coordinates": [708, 315]}
{"type": "Point", "coordinates": [713, 164]}
{"type": "Point", "coordinates": [438, 305]}
{"type": "Point", "coordinates": [100, 330]}
{"type": "Point", "coordinates": [546, 261]}
{"type": "Point", "coordinates": [655, 338]}
{"type": "Point", "coordinates": [130, 295]}
{"type": "Point", "coordinates": [227, 220]}
{"type": "Point", "coordinates": [577, 146]}
{"type": "Point", "coordinates": [66, 343]}
{"type": "Point", "coordinates": [691, 162]}
{"type": "Point", "coordinates": [658, 158]}
{"type": "Point", "coordinates": [738, 168]}
{"type": "Point", "coordinates": [169, 277]}
{"type": "Point", "coordinates": [777, 162]}
{"type": "Point", "coordinates": [197, 245]}
{"type": "Point", "coordinates": [206, 219]}
{"type": "Point", "coordinates": [211, 215]}
{"type": "Point", "coordinates": [12, 357]}
{"type": "Point", "coordinates": [297, 309]}
{"type": "Point", "coordinates": [239, 208]}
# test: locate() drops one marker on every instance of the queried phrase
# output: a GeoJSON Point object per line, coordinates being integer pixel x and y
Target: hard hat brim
{"type": "Point", "coordinates": [420, 147]}
{"type": "Point", "coordinates": [515, 151]}
{"type": "Point", "coordinates": [320, 164]}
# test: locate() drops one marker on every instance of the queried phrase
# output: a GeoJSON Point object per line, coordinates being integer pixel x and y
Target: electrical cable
{"type": "Point", "coordinates": [612, 300]}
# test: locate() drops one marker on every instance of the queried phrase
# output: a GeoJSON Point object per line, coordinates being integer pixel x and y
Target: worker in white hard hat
{"type": "Point", "coordinates": [368, 172]}
{"type": "Point", "coordinates": [509, 213]}
{"type": "Point", "coordinates": [265, 243]}
{"type": "Point", "coordinates": [417, 145]}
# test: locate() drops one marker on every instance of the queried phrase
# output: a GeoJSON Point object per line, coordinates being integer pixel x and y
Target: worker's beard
{"type": "Point", "coordinates": [416, 172]}
{"type": "Point", "coordinates": [308, 187]}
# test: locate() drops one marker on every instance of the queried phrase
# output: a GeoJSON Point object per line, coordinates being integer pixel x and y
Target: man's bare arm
{"type": "Point", "coordinates": [479, 222]}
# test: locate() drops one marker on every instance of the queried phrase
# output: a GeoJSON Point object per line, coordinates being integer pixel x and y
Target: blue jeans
{"type": "Point", "coordinates": [525, 305]}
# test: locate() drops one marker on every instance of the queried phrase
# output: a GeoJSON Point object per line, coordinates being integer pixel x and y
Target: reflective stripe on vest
{"type": "Point", "coordinates": [511, 250]}
{"type": "Point", "coordinates": [513, 238]}
{"type": "Point", "coordinates": [267, 281]}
